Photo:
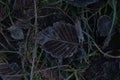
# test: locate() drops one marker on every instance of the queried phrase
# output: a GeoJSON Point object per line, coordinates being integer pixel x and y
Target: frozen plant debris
{"type": "Point", "coordinates": [103, 25]}
{"type": "Point", "coordinates": [61, 40]}
{"type": "Point", "coordinates": [16, 33]}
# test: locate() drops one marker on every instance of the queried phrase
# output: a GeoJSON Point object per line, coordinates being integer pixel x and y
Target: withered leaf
{"type": "Point", "coordinates": [59, 40]}
{"type": "Point", "coordinates": [19, 7]}
{"type": "Point", "coordinates": [8, 70]}
{"type": "Point", "coordinates": [103, 25]}
{"type": "Point", "coordinates": [81, 3]}
{"type": "Point", "coordinates": [49, 75]}
{"type": "Point", "coordinates": [11, 77]}
{"type": "Point", "coordinates": [79, 31]}
{"type": "Point", "coordinates": [16, 33]}
{"type": "Point", "coordinates": [49, 15]}
{"type": "Point", "coordinates": [97, 5]}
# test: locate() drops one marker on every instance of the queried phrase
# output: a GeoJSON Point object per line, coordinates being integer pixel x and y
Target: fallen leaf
{"type": "Point", "coordinates": [50, 15]}
{"type": "Point", "coordinates": [11, 77]}
{"type": "Point", "coordinates": [79, 31]}
{"type": "Point", "coordinates": [16, 33]}
{"type": "Point", "coordinates": [103, 25]}
{"type": "Point", "coordinates": [97, 5]}
{"type": "Point", "coordinates": [6, 68]}
{"type": "Point", "coordinates": [19, 6]}
{"type": "Point", "coordinates": [61, 40]}
{"type": "Point", "coordinates": [7, 71]}
{"type": "Point", "coordinates": [49, 75]}
{"type": "Point", "coordinates": [81, 3]}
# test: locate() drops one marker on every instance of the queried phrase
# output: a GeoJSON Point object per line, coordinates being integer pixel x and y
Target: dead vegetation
{"type": "Point", "coordinates": [59, 40]}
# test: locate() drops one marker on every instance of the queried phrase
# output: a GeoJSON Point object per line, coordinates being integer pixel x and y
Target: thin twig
{"type": "Point", "coordinates": [99, 49]}
{"type": "Point", "coordinates": [105, 54]}
{"type": "Point", "coordinates": [6, 39]}
{"type": "Point", "coordinates": [35, 45]}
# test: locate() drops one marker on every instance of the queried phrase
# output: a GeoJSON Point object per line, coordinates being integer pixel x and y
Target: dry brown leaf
{"type": "Point", "coordinates": [103, 25]}
{"type": "Point", "coordinates": [62, 40]}
{"type": "Point", "coordinates": [7, 71]}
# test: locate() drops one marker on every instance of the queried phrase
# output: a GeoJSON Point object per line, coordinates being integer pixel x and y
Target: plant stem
{"type": "Point", "coordinates": [35, 45]}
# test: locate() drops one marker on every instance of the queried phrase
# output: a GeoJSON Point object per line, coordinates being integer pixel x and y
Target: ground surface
{"type": "Point", "coordinates": [59, 40]}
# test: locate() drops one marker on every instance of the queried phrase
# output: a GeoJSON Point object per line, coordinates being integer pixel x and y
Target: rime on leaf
{"type": "Point", "coordinates": [103, 25]}
{"type": "Point", "coordinates": [79, 31]}
{"type": "Point", "coordinates": [81, 3]}
{"type": "Point", "coordinates": [16, 33]}
{"type": "Point", "coordinates": [61, 40]}
{"type": "Point", "coordinates": [7, 71]}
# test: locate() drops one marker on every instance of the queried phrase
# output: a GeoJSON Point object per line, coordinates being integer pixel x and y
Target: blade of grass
{"type": "Point", "coordinates": [35, 45]}
{"type": "Point", "coordinates": [68, 78]}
